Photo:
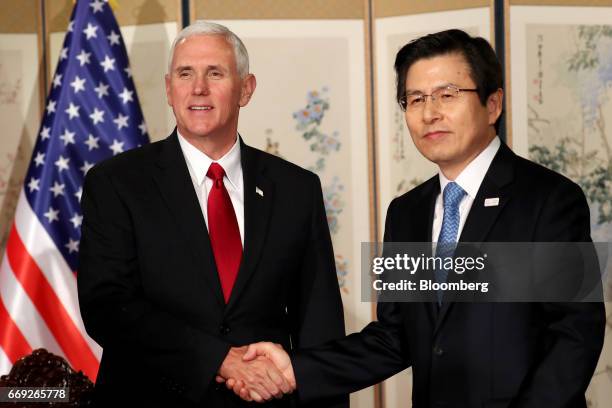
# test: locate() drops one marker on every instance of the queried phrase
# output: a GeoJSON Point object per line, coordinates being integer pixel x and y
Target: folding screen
{"type": "Point", "coordinates": [561, 87]}
{"type": "Point", "coordinates": [21, 94]}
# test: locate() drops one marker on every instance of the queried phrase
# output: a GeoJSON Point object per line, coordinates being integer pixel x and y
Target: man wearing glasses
{"type": "Point", "coordinates": [465, 354]}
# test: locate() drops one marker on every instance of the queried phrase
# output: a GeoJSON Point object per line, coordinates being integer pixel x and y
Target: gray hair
{"type": "Point", "coordinates": [201, 27]}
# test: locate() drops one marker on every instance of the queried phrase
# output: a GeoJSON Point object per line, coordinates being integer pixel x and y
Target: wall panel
{"type": "Point", "coordinates": [21, 100]}
{"type": "Point", "coordinates": [561, 84]}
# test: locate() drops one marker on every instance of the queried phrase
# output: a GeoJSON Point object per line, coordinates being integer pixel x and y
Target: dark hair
{"type": "Point", "coordinates": [485, 68]}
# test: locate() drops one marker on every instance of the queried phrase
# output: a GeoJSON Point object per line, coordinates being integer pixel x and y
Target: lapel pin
{"type": "Point", "coordinates": [258, 191]}
{"type": "Point", "coordinates": [491, 202]}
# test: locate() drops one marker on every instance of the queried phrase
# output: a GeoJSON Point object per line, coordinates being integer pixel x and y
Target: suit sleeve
{"type": "Point", "coordinates": [356, 361]}
{"type": "Point", "coordinates": [115, 310]}
{"type": "Point", "coordinates": [575, 331]}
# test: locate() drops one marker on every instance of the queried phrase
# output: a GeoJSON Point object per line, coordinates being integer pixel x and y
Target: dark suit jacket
{"type": "Point", "coordinates": [476, 354]}
{"type": "Point", "coordinates": [149, 291]}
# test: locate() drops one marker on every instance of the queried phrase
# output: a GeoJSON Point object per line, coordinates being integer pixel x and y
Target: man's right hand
{"type": "Point", "coordinates": [269, 351]}
{"type": "Point", "coordinates": [257, 375]}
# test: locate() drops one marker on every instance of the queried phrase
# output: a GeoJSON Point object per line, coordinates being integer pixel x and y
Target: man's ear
{"type": "Point", "coordinates": [495, 103]}
{"type": "Point", "coordinates": [168, 93]}
{"type": "Point", "coordinates": [249, 83]}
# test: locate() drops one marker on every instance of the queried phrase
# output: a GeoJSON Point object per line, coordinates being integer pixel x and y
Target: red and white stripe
{"type": "Point", "coordinates": [38, 299]}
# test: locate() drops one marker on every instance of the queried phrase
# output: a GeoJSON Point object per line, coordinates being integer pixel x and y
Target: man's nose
{"type": "Point", "coordinates": [431, 111]}
{"type": "Point", "coordinates": [200, 86]}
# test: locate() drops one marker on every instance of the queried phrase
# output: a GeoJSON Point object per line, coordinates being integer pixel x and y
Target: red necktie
{"type": "Point", "coordinates": [223, 231]}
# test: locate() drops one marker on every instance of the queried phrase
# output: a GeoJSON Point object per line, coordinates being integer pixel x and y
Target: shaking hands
{"type": "Point", "coordinates": [258, 372]}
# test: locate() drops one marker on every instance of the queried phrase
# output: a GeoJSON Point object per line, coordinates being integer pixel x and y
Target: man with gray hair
{"type": "Point", "coordinates": [197, 245]}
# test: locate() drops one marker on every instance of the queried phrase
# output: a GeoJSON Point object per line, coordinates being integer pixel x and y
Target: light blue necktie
{"type": "Point", "coordinates": [447, 240]}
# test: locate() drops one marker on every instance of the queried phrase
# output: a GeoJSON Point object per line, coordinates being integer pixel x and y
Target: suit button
{"type": "Point", "coordinates": [438, 351]}
{"type": "Point", "coordinates": [224, 329]}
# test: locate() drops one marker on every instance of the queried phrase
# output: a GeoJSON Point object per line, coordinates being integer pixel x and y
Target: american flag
{"type": "Point", "coordinates": [92, 112]}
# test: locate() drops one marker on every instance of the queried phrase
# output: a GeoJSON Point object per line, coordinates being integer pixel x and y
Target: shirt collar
{"type": "Point", "coordinates": [471, 177]}
{"type": "Point", "coordinates": [200, 162]}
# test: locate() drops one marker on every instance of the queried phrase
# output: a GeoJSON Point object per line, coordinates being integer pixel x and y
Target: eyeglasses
{"type": "Point", "coordinates": [440, 97]}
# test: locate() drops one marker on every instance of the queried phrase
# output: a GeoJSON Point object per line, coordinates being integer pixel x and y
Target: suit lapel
{"type": "Point", "coordinates": [430, 208]}
{"type": "Point", "coordinates": [481, 218]}
{"type": "Point", "coordinates": [427, 205]}
{"type": "Point", "coordinates": [176, 188]}
{"type": "Point", "coordinates": [258, 198]}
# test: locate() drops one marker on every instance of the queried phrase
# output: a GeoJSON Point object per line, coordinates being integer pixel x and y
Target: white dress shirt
{"type": "Point", "coordinates": [469, 180]}
{"type": "Point", "coordinates": [198, 164]}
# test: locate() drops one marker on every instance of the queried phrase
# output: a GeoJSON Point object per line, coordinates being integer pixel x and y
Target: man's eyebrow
{"type": "Point", "coordinates": [208, 68]}
{"type": "Point", "coordinates": [216, 67]}
{"type": "Point", "coordinates": [182, 68]}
